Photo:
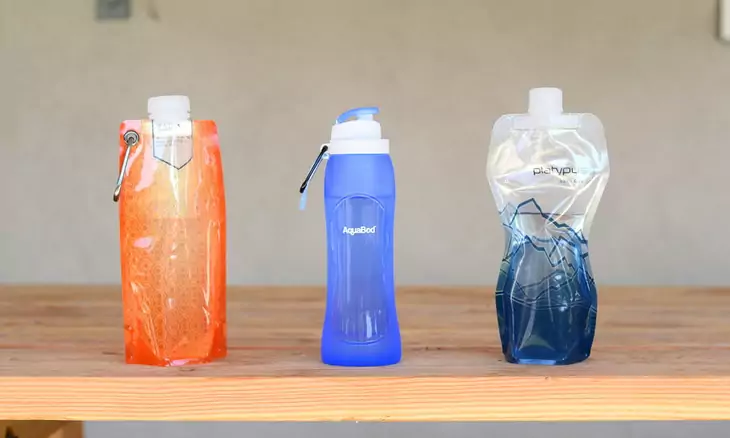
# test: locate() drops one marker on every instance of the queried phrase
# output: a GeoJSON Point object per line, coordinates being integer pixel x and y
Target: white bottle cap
{"type": "Point", "coordinates": [169, 108]}
{"type": "Point", "coordinates": [362, 135]}
{"type": "Point", "coordinates": [546, 102]}
{"type": "Point", "coordinates": [362, 128]}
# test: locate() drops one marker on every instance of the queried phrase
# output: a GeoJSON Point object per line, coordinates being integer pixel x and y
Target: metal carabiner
{"type": "Point", "coordinates": [131, 138]}
{"type": "Point", "coordinates": [315, 166]}
{"type": "Point", "coordinates": [312, 170]}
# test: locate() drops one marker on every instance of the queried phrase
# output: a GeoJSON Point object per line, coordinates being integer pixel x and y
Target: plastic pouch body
{"type": "Point", "coordinates": [173, 243]}
{"type": "Point", "coordinates": [547, 175]}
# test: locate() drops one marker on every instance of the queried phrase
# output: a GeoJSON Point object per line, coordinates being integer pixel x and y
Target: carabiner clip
{"type": "Point", "coordinates": [312, 170]}
{"type": "Point", "coordinates": [131, 138]}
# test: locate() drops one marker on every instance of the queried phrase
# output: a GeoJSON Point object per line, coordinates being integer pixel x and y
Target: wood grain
{"type": "Point", "coordinates": [41, 429]}
{"type": "Point", "coordinates": [660, 354]}
{"type": "Point", "coordinates": [71, 429]}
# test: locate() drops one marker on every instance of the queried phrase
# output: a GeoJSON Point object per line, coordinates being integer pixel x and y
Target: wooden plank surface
{"type": "Point", "coordinates": [41, 429]}
{"type": "Point", "coordinates": [660, 354]}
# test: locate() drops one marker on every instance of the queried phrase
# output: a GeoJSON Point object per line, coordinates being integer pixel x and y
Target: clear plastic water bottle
{"type": "Point", "coordinates": [547, 170]}
{"type": "Point", "coordinates": [361, 325]}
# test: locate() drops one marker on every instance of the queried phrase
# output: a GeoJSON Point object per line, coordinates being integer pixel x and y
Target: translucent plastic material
{"type": "Point", "coordinates": [547, 177]}
{"type": "Point", "coordinates": [173, 245]}
{"type": "Point", "coordinates": [361, 325]}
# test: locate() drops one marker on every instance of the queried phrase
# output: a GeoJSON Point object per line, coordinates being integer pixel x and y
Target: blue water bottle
{"type": "Point", "coordinates": [360, 325]}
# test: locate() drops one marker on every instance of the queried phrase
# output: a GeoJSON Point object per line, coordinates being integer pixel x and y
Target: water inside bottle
{"type": "Point", "coordinates": [546, 295]}
{"type": "Point", "coordinates": [176, 315]}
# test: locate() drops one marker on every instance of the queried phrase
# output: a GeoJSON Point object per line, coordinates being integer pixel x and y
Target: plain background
{"type": "Point", "coordinates": [275, 73]}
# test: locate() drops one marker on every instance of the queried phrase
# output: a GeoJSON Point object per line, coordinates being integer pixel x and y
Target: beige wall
{"type": "Point", "coordinates": [275, 73]}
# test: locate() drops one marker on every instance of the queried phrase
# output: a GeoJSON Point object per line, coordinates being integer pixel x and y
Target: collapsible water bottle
{"type": "Point", "coordinates": [361, 325]}
{"type": "Point", "coordinates": [172, 219]}
{"type": "Point", "coordinates": [547, 170]}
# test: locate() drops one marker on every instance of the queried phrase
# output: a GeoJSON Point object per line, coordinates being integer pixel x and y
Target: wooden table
{"type": "Point", "coordinates": [660, 354]}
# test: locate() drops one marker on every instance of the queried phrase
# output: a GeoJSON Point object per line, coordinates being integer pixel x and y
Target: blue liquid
{"type": "Point", "coordinates": [546, 296]}
{"type": "Point", "coordinates": [361, 324]}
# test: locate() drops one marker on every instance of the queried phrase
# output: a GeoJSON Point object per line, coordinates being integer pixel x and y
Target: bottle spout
{"type": "Point", "coordinates": [364, 113]}
{"type": "Point", "coordinates": [546, 102]}
{"type": "Point", "coordinates": [169, 108]}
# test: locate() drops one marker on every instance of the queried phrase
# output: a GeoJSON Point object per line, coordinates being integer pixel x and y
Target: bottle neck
{"type": "Point", "coordinates": [170, 117]}
{"type": "Point", "coordinates": [345, 147]}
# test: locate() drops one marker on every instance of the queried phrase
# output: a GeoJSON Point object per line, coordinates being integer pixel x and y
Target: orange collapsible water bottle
{"type": "Point", "coordinates": [172, 219]}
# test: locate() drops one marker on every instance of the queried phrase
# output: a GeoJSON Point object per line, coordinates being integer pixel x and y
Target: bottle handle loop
{"type": "Point", "coordinates": [131, 138]}
{"type": "Point", "coordinates": [323, 155]}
